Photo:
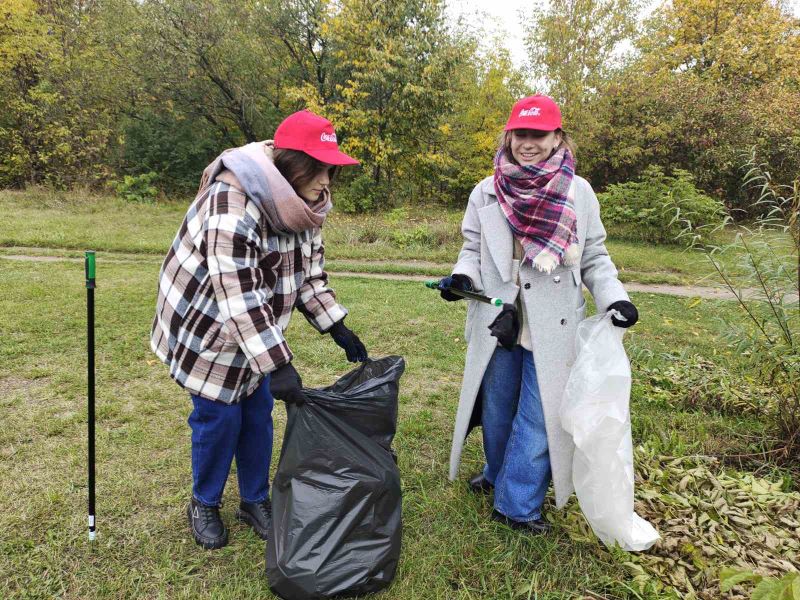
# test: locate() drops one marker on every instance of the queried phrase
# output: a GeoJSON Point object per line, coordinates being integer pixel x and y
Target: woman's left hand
{"type": "Point", "coordinates": [628, 312]}
{"type": "Point", "coordinates": [346, 339]}
{"type": "Point", "coordinates": [505, 327]}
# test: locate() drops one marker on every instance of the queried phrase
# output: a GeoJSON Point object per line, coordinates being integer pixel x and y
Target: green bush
{"type": "Point", "coordinates": [175, 147]}
{"type": "Point", "coordinates": [361, 195]}
{"type": "Point", "coordinates": [656, 208]}
{"type": "Point", "coordinates": [397, 216]}
{"type": "Point", "coordinates": [766, 284]}
{"type": "Point", "coordinates": [138, 188]}
{"type": "Point", "coordinates": [421, 235]}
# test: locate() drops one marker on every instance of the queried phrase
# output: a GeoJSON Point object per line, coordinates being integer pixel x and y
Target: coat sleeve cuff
{"type": "Point", "coordinates": [322, 320]}
{"type": "Point", "coordinates": [472, 271]}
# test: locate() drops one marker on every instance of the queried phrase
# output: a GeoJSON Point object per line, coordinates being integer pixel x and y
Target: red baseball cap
{"type": "Point", "coordinates": [313, 135]}
{"type": "Point", "coordinates": [535, 112]}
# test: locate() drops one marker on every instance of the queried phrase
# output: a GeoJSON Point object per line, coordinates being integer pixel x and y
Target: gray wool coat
{"type": "Point", "coordinates": [554, 304]}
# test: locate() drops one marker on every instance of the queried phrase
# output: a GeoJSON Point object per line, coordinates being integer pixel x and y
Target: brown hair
{"type": "Point", "coordinates": [504, 142]}
{"type": "Point", "coordinates": [299, 168]}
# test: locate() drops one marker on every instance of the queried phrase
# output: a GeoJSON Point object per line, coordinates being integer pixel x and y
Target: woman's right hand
{"type": "Point", "coordinates": [458, 282]}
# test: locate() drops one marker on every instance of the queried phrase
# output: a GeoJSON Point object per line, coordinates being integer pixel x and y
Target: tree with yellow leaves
{"type": "Point", "coordinates": [54, 127]}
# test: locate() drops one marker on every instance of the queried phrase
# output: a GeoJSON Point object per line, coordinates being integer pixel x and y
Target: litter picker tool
{"type": "Point", "coordinates": [434, 285]}
{"type": "Point", "coordinates": [89, 268]}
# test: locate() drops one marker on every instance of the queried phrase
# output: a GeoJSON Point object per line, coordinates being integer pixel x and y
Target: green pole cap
{"type": "Point", "coordinates": [89, 268]}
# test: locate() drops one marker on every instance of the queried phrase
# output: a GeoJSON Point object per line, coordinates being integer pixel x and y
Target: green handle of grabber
{"type": "Point", "coordinates": [89, 268]}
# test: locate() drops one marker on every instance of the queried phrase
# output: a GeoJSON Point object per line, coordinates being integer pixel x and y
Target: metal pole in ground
{"type": "Point", "coordinates": [89, 268]}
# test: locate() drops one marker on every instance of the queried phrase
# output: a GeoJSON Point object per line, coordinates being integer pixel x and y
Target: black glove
{"type": "Point", "coordinates": [458, 282]}
{"type": "Point", "coordinates": [627, 310]}
{"type": "Point", "coordinates": [505, 327]}
{"type": "Point", "coordinates": [285, 384]}
{"type": "Point", "coordinates": [353, 347]}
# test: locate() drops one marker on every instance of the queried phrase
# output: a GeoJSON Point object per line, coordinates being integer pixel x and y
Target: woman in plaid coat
{"type": "Point", "coordinates": [532, 236]}
{"type": "Point", "coordinates": [247, 253]}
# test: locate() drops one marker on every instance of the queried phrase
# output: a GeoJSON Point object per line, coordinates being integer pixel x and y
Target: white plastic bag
{"type": "Point", "coordinates": [595, 411]}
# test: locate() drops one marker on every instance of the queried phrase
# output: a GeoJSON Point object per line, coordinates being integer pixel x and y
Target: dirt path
{"type": "Point", "coordinates": [671, 290]}
{"type": "Point", "coordinates": [54, 254]}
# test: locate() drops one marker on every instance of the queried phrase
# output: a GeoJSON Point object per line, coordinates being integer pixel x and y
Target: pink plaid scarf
{"type": "Point", "coordinates": [540, 211]}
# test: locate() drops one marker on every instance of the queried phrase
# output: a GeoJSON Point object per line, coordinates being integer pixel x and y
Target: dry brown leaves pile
{"type": "Point", "coordinates": [708, 519]}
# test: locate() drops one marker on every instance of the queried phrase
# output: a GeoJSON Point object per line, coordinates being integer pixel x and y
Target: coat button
{"type": "Point", "coordinates": [563, 321]}
{"type": "Point", "coordinates": [557, 279]}
{"type": "Point", "coordinates": [527, 286]}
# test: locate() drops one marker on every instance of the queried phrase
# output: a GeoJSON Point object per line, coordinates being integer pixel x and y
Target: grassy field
{"type": "Point", "coordinates": [451, 549]}
{"type": "Point", "coordinates": [403, 237]}
{"type": "Point", "coordinates": [692, 408]}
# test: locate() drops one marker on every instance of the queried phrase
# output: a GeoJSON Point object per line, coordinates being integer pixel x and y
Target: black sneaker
{"type": "Point", "coordinates": [258, 515]}
{"type": "Point", "coordinates": [480, 485]}
{"type": "Point", "coordinates": [207, 527]}
{"type": "Point", "coordinates": [537, 527]}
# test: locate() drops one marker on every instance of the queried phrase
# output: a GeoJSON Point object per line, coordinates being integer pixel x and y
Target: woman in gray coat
{"type": "Point", "coordinates": [532, 236]}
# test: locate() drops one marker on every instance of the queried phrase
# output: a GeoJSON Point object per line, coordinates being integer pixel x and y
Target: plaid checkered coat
{"type": "Point", "coordinates": [226, 293]}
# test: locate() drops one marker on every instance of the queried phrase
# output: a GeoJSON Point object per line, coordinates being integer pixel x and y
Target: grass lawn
{"type": "Point", "coordinates": [450, 550]}
{"type": "Point", "coordinates": [75, 221]}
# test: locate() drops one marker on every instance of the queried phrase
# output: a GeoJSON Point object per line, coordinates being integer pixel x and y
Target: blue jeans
{"type": "Point", "coordinates": [514, 435]}
{"type": "Point", "coordinates": [221, 432]}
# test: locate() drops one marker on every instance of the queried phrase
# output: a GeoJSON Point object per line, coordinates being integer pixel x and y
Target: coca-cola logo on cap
{"type": "Point", "coordinates": [530, 112]}
{"type": "Point", "coordinates": [328, 137]}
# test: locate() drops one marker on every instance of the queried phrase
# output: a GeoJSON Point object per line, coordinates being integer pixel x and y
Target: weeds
{"type": "Point", "coordinates": [766, 284]}
{"type": "Point", "coordinates": [697, 383]}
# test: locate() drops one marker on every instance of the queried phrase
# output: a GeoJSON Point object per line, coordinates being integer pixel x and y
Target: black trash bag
{"type": "Point", "coordinates": [336, 497]}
